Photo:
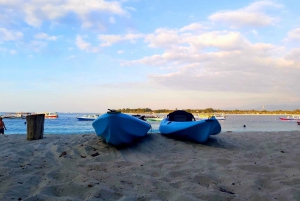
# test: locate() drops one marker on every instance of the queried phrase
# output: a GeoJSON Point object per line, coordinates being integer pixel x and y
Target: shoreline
{"type": "Point", "coordinates": [230, 166]}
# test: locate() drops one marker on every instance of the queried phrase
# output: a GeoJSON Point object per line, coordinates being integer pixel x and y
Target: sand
{"type": "Point", "coordinates": [230, 166]}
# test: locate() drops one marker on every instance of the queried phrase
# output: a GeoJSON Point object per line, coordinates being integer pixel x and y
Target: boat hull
{"type": "Point", "coordinates": [50, 117]}
{"type": "Point", "coordinates": [88, 117]}
{"type": "Point", "coordinates": [289, 119]}
{"type": "Point", "coordinates": [198, 131]}
{"type": "Point", "coordinates": [119, 128]}
{"type": "Point", "coordinates": [154, 119]}
{"type": "Point", "coordinates": [85, 119]}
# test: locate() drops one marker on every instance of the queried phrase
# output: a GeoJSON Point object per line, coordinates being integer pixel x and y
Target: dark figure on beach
{"type": "Point", "coordinates": [2, 126]}
{"type": "Point", "coordinates": [244, 126]}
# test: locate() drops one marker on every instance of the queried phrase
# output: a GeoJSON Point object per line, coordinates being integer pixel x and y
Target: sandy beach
{"type": "Point", "coordinates": [230, 166]}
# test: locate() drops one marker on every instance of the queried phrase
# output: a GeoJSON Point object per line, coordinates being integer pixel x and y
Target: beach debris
{"type": "Point", "coordinates": [90, 185]}
{"type": "Point", "coordinates": [95, 154]}
{"type": "Point", "coordinates": [225, 191]}
{"type": "Point", "coordinates": [63, 154]}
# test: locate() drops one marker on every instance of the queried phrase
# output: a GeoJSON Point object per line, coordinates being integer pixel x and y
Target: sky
{"type": "Point", "coordinates": [94, 55]}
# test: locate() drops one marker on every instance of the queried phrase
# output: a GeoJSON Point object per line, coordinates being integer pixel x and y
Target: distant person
{"type": "Point", "coordinates": [2, 126]}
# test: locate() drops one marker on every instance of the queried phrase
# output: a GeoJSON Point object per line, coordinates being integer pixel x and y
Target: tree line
{"type": "Point", "coordinates": [208, 111]}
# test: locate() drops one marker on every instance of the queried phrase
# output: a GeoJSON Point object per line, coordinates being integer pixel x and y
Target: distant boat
{"type": "Point", "coordinates": [216, 115]}
{"type": "Point", "coordinates": [142, 117]}
{"type": "Point", "coordinates": [88, 117]}
{"type": "Point", "coordinates": [118, 128]}
{"type": "Point", "coordinates": [219, 116]}
{"type": "Point", "coordinates": [50, 115]}
{"type": "Point", "coordinates": [292, 117]}
{"type": "Point", "coordinates": [182, 124]}
{"type": "Point", "coordinates": [16, 115]}
{"type": "Point", "coordinates": [155, 118]}
{"type": "Point", "coordinates": [148, 118]}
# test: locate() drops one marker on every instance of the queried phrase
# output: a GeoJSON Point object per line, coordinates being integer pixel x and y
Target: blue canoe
{"type": "Point", "coordinates": [182, 126]}
{"type": "Point", "coordinates": [118, 128]}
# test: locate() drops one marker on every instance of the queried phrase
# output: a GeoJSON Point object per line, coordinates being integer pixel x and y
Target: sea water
{"type": "Point", "coordinates": [67, 123]}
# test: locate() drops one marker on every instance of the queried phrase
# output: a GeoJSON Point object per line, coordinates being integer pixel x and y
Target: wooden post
{"type": "Point", "coordinates": [35, 126]}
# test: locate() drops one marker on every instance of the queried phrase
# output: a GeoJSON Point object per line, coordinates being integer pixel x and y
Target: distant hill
{"type": "Point", "coordinates": [268, 107]}
{"type": "Point", "coordinates": [281, 107]}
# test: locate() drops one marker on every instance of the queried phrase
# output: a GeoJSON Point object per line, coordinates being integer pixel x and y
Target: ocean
{"type": "Point", "coordinates": [67, 123]}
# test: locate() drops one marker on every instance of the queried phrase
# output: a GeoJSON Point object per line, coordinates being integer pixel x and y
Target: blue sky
{"type": "Point", "coordinates": [88, 56]}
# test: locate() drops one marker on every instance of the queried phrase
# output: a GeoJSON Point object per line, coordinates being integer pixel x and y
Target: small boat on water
{"type": "Point", "coordinates": [50, 115]}
{"type": "Point", "coordinates": [183, 125]}
{"type": "Point", "coordinates": [88, 117]}
{"type": "Point", "coordinates": [292, 117]}
{"type": "Point", "coordinates": [142, 117]}
{"type": "Point", "coordinates": [216, 115]}
{"type": "Point", "coordinates": [118, 128]}
{"type": "Point", "coordinates": [148, 118]}
{"type": "Point", "coordinates": [219, 116]}
{"type": "Point", "coordinates": [156, 118]}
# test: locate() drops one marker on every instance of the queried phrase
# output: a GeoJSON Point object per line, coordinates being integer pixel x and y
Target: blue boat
{"type": "Point", "coordinates": [182, 124]}
{"type": "Point", "coordinates": [118, 128]}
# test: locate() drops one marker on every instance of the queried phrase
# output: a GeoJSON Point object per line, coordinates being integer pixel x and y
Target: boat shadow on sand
{"type": "Point", "coordinates": [135, 143]}
{"type": "Point", "coordinates": [157, 140]}
{"type": "Point", "coordinates": [212, 141]}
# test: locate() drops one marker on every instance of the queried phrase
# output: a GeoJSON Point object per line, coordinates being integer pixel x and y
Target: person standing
{"type": "Point", "coordinates": [2, 126]}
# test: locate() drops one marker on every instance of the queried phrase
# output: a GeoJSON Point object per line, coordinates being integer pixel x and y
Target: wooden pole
{"type": "Point", "coordinates": [35, 126]}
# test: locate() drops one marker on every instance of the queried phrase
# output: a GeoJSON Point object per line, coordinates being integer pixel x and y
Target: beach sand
{"type": "Point", "coordinates": [230, 166]}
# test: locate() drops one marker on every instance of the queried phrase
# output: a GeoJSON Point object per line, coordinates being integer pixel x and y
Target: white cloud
{"type": "Point", "coordinates": [220, 61]}
{"type": "Point", "coordinates": [108, 40]}
{"type": "Point", "coordinates": [45, 36]}
{"type": "Point", "coordinates": [262, 5]}
{"type": "Point", "coordinates": [293, 35]}
{"type": "Point", "coordinates": [83, 45]}
{"type": "Point", "coordinates": [36, 11]}
{"type": "Point", "coordinates": [251, 15]}
{"type": "Point", "coordinates": [163, 38]}
{"type": "Point", "coordinates": [7, 35]}
{"type": "Point", "coordinates": [193, 27]}
{"type": "Point", "coordinates": [218, 39]}
{"type": "Point", "coordinates": [294, 56]}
